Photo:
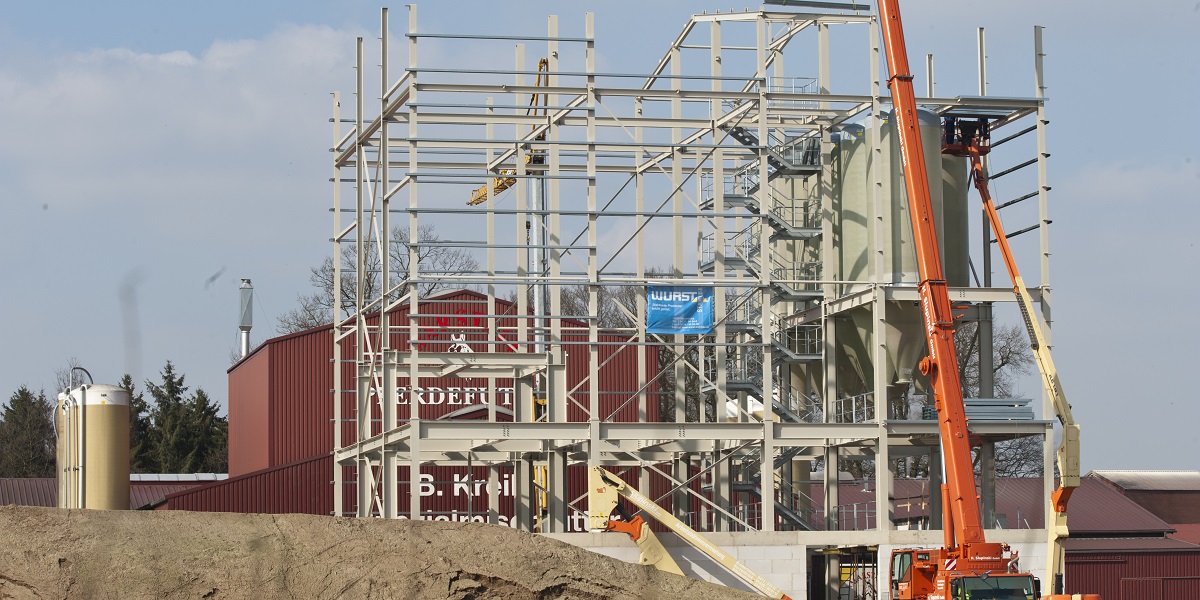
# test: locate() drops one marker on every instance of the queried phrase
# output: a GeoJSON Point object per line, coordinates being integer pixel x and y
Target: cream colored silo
{"type": "Point", "coordinates": [861, 245]}
{"type": "Point", "coordinates": [93, 447]}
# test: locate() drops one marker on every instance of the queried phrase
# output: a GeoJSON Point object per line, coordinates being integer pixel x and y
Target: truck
{"type": "Point", "coordinates": [967, 566]}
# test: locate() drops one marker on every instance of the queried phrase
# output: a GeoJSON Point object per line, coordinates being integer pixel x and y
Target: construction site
{"type": "Point", "coordinates": [733, 316]}
{"type": "Point", "coordinates": [734, 172]}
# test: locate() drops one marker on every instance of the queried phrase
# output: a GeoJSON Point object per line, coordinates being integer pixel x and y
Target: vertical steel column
{"type": "Point", "coordinates": [387, 393]}
{"type": "Point", "coordinates": [556, 385]}
{"type": "Point", "coordinates": [336, 318]}
{"type": "Point", "coordinates": [987, 469]}
{"type": "Point", "coordinates": [721, 483]}
{"type": "Point", "coordinates": [362, 371]}
{"type": "Point", "coordinates": [884, 500]}
{"type": "Point", "coordinates": [524, 273]}
{"type": "Point", "coordinates": [767, 458]}
{"type": "Point", "coordinates": [985, 330]}
{"type": "Point", "coordinates": [680, 464]}
{"type": "Point", "coordinates": [593, 235]}
{"type": "Point", "coordinates": [639, 205]}
{"type": "Point", "coordinates": [929, 76]}
{"type": "Point", "coordinates": [493, 483]}
{"type": "Point", "coordinates": [1048, 450]}
{"type": "Point", "coordinates": [414, 274]}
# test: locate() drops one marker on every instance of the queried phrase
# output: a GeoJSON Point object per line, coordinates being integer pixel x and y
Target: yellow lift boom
{"type": "Point", "coordinates": [603, 490]}
{"type": "Point", "coordinates": [537, 106]}
{"type": "Point", "coordinates": [970, 138]}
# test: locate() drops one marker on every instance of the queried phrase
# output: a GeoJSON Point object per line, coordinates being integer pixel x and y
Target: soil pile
{"type": "Point", "coordinates": [50, 553]}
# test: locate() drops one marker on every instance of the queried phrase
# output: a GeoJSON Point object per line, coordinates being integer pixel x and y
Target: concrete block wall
{"type": "Point", "coordinates": [781, 557]}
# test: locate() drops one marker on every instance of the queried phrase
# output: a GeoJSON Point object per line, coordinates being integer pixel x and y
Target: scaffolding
{"type": "Point", "coordinates": [719, 168]}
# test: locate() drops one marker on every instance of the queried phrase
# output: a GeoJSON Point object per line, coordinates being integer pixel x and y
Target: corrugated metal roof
{"type": "Point", "coordinates": [303, 486]}
{"type": "Point", "coordinates": [1096, 508]}
{"type": "Point", "coordinates": [29, 491]}
{"type": "Point", "coordinates": [1169, 481]}
{"type": "Point", "coordinates": [43, 491]}
{"type": "Point", "coordinates": [144, 496]}
{"type": "Point", "coordinates": [1128, 544]}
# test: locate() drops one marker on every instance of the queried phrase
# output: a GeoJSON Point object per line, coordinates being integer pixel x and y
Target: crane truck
{"type": "Point", "coordinates": [968, 566]}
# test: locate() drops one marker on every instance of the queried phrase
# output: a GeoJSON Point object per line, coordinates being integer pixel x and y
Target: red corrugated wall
{"type": "Point", "coordinates": [280, 397]}
{"type": "Point", "coordinates": [249, 402]}
{"type": "Point", "coordinates": [1135, 576]}
{"type": "Point", "coordinates": [301, 403]}
{"type": "Point", "coordinates": [299, 487]}
{"type": "Point", "coordinates": [281, 407]}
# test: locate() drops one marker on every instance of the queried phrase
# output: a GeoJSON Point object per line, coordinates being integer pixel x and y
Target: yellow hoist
{"type": "Point", "coordinates": [536, 156]}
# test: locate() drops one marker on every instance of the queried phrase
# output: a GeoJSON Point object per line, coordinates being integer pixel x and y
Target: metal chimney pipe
{"type": "Point", "coordinates": [247, 315]}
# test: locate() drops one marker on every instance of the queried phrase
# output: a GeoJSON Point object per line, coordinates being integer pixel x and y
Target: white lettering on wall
{"type": "Point", "coordinates": [459, 396]}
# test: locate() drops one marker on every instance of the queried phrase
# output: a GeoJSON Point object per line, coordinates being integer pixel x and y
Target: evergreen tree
{"type": "Point", "coordinates": [209, 434]}
{"type": "Point", "coordinates": [169, 446]}
{"type": "Point", "coordinates": [186, 435]}
{"type": "Point", "coordinates": [27, 436]}
{"type": "Point", "coordinates": [141, 459]}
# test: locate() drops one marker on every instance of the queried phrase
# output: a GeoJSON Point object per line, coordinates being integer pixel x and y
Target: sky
{"type": "Point", "coordinates": [157, 152]}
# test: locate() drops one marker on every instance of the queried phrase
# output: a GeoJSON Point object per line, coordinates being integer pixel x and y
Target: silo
{"type": "Point", "coordinates": [93, 447]}
{"type": "Point", "coordinates": [857, 246]}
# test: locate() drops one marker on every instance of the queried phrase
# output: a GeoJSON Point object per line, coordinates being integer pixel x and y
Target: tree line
{"type": "Point", "coordinates": [172, 431]}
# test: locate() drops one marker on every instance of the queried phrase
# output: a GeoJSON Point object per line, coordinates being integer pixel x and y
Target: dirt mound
{"type": "Point", "coordinates": [49, 553]}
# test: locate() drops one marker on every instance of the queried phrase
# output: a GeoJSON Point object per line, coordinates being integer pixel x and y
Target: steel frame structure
{"type": "Point", "coordinates": [721, 166]}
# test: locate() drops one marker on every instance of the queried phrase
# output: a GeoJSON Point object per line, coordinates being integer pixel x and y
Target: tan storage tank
{"type": "Point", "coordinates": [856, 243]}
{"type": "Point", "coordinates": [92, 422]}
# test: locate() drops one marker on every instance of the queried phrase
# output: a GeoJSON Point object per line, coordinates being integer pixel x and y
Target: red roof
{"type": "Point", "coordinates": [1128, 544]}
{"type": "Point", "coordinates": [1099, 509]}
{"type": "Point", "coordinates": [1151, 481]}
{"type": "Point", "coordinates": [29, 491]}
{"type": "Point", "coordinates": [43, 491]}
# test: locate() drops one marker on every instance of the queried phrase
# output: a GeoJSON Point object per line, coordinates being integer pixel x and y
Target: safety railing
{"type": "Point", "coordinates": [800, 339]}
{"type": "Point", "coordinates": [855, 409]}
{"type": "Point", "coordinates": [800, 275]}
{"type": "Point", "coordinates": [792, 85]}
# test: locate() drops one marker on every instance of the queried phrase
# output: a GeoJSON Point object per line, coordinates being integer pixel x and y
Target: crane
{"type": "Point", "coordinates": [537, 106]}
{"type": "Point", "coordinates": [604, 488]}
{"type": "Point", "coordinates": [970, 138]}
{"type": "Point", "coordinates": [967, 566]}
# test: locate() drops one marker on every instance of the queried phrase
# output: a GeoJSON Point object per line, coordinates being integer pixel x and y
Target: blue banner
{"type": "Point", "coordinates": [679, 309]}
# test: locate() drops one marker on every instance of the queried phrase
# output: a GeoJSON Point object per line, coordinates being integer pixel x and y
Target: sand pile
{"type": "Point", "coordinates": [49, 553]}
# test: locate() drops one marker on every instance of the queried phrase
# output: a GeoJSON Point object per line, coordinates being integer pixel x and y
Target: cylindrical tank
{"type": "Point", "coordinates": [93, 447]}
{"type": "Point", "coordinates": [855, 238]}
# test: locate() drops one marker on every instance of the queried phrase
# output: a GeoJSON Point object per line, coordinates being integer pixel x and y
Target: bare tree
{"type": "Point", "coordinates": [316, 309]}
{"type": "Point", "coordinates": [1010, 357]}
{"type": "Point", "coordinates": [70, 376]}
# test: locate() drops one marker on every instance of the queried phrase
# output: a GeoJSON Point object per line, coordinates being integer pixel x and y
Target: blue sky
{"type": "Point", "coordinates": [168, 149]}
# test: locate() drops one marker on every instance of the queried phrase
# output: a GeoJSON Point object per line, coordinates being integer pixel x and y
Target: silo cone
{"type": "Point", "coordinates": [855, 239]}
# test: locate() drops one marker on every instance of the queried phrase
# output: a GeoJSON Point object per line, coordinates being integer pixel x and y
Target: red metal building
{"type": "Point", "coordinates": [281, 408]}
{"type": "Point", "coordinates": [1122, 551]}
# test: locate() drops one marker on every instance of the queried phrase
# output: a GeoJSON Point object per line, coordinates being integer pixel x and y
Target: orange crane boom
{"type": "Point", "coordinates": [941, 366]}
{"type": "Point", "coordinates": [968, 566]}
